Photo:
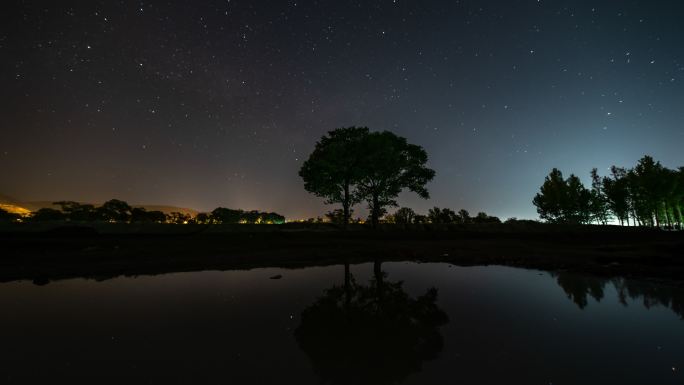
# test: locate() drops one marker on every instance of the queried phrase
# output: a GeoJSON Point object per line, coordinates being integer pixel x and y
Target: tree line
{"type": "Point", "coordinates": [648, 194]}
{"type": "Point", "coordinates": [406, 216]}
{"type": "Point", "coordinates": [118, 211]}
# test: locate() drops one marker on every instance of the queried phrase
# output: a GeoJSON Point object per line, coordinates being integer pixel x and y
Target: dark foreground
{"type": "Point", "coordinates": [106, 251]}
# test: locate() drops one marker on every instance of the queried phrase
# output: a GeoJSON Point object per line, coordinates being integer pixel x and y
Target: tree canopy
{"type": "Point", "coordinates": [648, 194]}
{"type": "Point", "coordinates": [334, 167]}
{"type": "Point", "coordinates": [391, 164]}
{"type": "Point", "coordinates": [350, 165]}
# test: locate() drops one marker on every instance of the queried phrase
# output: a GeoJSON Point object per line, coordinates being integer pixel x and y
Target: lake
{"type": "Point", "coordinates": [389, 323]}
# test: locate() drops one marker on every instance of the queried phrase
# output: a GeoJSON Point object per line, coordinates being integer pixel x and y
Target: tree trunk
{"type": "Point", "coordinates": [345, 205]}
{"type": "Point", "coordinates": [375, 212]}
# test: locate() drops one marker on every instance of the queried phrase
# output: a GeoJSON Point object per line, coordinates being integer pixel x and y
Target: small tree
{"type": "Point", "coordinates": [550, 201]}
{"type": "Point", "coordinates": [75, 211]}
{"type": "Point", "coordinates": [463, 216]}
{"type": "Point", "coordinates": [441, 216]}
{"type": "Point", "coordinates": [563, 201]}
{"type": "Point", "coordinates": [404, 216]}
{"type": "Point", "coordinates": [47, 214]}
{"type": "Point", "coordinates": [178, 218]}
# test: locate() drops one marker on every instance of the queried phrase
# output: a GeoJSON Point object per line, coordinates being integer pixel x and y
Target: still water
{"type": "Point", "coordinates": [395, 323]}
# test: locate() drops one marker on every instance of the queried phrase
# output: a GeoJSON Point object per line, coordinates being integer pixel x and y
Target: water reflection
{"type": "Point", "coordinates": [375, 333]}
{"type": "Point", "coordinates": [579, 288]}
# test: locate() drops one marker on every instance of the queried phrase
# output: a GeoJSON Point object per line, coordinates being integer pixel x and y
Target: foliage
{"type": "Point", "coordinates": [352, 164]}
{"type": "Point", "coordinates": [226, 216]}
{"type": "Point", "coordinates": [563, 200]}
{"type": "Point", "coordinates": [178, 218]}
{"type": "Point", "coordinates": [403, 216]}
{"type": "Point", "coordinates": [139, 214]}
{"type": "Point", "coordinates": [337, 216]}
{"type": "Point", "coordinates": [333, 169]}
{"type": "Point", "coordinates": [47, 214]}
{"type": "Point", "coordinates": [74, 211]}
{"type": "Point", "coordinates": [648, 194]}
{"type": "Point", "coordinates": [390, 164]}
{"type": "Point", "coordinates": [115, 210]}
{"type": "Point", "coordinates": [437, 216]}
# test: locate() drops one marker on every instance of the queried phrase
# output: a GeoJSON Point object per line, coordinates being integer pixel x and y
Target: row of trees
{"type": "Point", "coordinates": [352, 165]}
{"type": "Point", "coordinates": [647, 195]}
{"type": "Point", "coordinates": [121, 212]}
{"type": "Point", "coordinates": [436, 215]}
{"type": "Point", "coordinates": [406, 216]}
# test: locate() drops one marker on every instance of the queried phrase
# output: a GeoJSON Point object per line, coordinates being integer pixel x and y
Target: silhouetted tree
{"type": "Point", "coordinates": [563, 201]}
{"type": "Point", "coordinates": [178, 218]}
{"type": "Point", "coordinates": [203, 218]}
{"type": "Point", "coordinates": [482, 217]}
{"type": "Point", "coordinates": [389, 165]}
{"type": "Point", "coordinates": [598, 203]}
{"type": "Point", "coordinates": [271, 219]}
{"type": "Point", "coordinates": [551, 199]}
{"type": "Point", "coordinates": [649, 188]}
{"type": "Point", "coordinates": [333, 168]}
{"type": "Point", "coordinates": [617, 194]}
{"type": "Point", "coordinates": [577, 201]}
{"type": "Point", "coordinates": [75, 211]}
{"type": "Point", "coordinates": [420, 219]}
{"type": "Point", "coordinates": [337, 216]}
{"type": "Point", "coordinates": [47, 214]}
{"type": "Point", "coordinates": [404, 216]}
{"type": "Point", "coordinates": [441, 216]}
{"type": "Point", "coordinates": [115, 210]}
{"type": "Point", "coordinates": [139, 214]}
{"type": "Point", "coordinates": [463, 216]}
{"type": "Point", "coordinates": [224, 215]}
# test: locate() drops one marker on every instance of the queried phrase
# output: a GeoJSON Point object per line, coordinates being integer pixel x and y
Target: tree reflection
{"type": "Point", "coordinates": [370, 334]}
{"type": "Point", "coordinates": [580, 287]}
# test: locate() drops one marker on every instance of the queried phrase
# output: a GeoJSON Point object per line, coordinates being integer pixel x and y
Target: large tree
{"type": "Point", "coordinates": [390, 164]}
{"type": "Point", "coordinates": [334, 167]}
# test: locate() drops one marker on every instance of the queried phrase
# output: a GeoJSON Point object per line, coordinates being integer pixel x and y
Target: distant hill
{"type": "Point", "coordinates": [13, 205]}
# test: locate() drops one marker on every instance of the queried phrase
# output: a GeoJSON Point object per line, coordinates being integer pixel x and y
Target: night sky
{"type": "Point", "coordinates": [217, 103]}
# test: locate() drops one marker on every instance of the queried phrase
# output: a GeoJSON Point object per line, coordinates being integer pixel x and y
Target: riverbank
{"type": "Point", "coordinates": [44, 253]}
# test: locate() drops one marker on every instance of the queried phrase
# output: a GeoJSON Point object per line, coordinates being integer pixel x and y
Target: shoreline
{"type": "Point", "coordinates": [65, 252]}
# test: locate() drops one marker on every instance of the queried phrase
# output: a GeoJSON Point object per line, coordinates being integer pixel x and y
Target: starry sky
{"type": "Point", "coordinates": [217, 103]}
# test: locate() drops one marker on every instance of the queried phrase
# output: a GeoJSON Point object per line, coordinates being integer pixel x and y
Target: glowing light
{"type": "Point", "coordinates": [13, 209]}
